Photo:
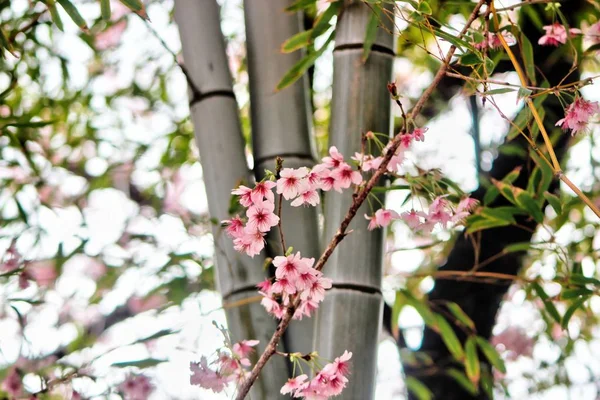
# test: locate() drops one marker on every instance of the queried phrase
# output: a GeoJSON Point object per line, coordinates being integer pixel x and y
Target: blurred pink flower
{"type": "Point", "coordinates": [136, 387]}
{"type": "Point", "coordinates": [111, 36]}
{"type": "Point", "coordinates": [515, 342]}
{"type": "Point", "coordinates": [43, 272]}
{"type": "Point", "coordinates": [12, 383]}
{"type": "Point", "coordinates": [140, 304]}
{"type": "Point", "coordinates": [556, 34]}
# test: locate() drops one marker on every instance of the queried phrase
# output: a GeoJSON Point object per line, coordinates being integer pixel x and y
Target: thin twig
{"type": "Point", "coordinates": [359, 198]}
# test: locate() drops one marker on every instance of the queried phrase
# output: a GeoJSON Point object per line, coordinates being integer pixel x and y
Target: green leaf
{"type": "Point", "coordinates": [571, 310]}
{"type": "Point", "coordinates": [583, 280]}
{"type": "Point", "coordinates": [456, 42]}
{"type": "Point", "coordinates": [298, 41]}
{"type": "Point", "coordinates": [574, 293]}
{"type": "Point", "coordinates": [29, 124]}
{"type": "Point", "coordinates": [527, 203]}
{"type": "Point", "coordinates": [159, 334]}
{"type": "Point", "coordinates": [470, 59]}
{"type": "Point", "coordinates": [478, 223]}
{"type": "Point", "coordinates": [527, 55]}
{"type": "Point", "coordinates": [74, 14]}
{"type": "Point", "coordinates": [301, 5]}
{"type": "Point", "coordinates": [499, 91]}
{"type": "Point", "coordinates": [321, 23]}
{"type": "Point", "coordinates": [5, 43]}
{"type": "Point", "coordinates": [505, 214]}
{"type": "Point", "coordinates": [371, 32]}
{"type": "Point", "coordinates": [462, 380]}
{"type": "Point", "coordinates": [417, 388]}
{"type": "Point", "coordinates": [491, 354]}
{"type": "Point", "coordinates": [493, 192]}
{"type": "Point", "coordinates": [472, 366]}
{"type": "Point", "coordinates": [105, 9]}
{"type": "Point", "coordinates": [55, 16]}
{"type": "Point", "coordinates": [448, 337]}
{"type": "Point", "coordinates": [134, 5]}
{"type": "Point", "coordinates": [523, 93]}
{"type": "Point", "coordinates": [145, 363]}
{"type": "Point", "coordinates": [517, 247]}
{"type": "Point", "coordinates": [554, 201]}
{"type": "Point", "coordinates": [301, 66]}
{"type": "Point", "coordinates": [460, 315]}
{"type": "Point", "coordinates": [550, 308]}
{"type": "Point", "coordinates": [420, 306]}
{"type": "Point", "coordinates": [506, 190]}
{"type": "Point", "coordinates": [424, 8]}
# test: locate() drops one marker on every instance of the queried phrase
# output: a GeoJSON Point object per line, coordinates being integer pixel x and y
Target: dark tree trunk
{"type": "Point", "coordinates": [479, 300]}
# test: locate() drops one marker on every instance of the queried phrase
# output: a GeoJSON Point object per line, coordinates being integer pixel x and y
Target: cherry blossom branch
{"type": "Point", "coordinates": [359, 198]}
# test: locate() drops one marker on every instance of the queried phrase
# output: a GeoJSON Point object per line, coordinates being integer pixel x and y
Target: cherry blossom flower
{"type": "Point", "coordinates": [593, 33]}
{"type": "Point", "coordinates": [316, 292]}
{"type": "Point", "coordinates": [406, 140]}
{"type": "Point", "coordinates": [367, 162]}
{"type": "Point", "coordinates": [235, 227]}
{"type": "Point", "coordinates": [556, 34]}
{"type": "Point", "coordinates": [205, 377]}
{"type": "Point", "coordinates": [413, 218]}
{"type": "Point", "coordinates": [260, 216]}
{"type": "Point", "coordinates": [111, 36]}
{"type": "Point", "coordinates": [345, 176]}
{"type": "Point", "coordinates": [291, 182]}
{"type": "Point", "coordinates": [493, 42]}
{"type": "Point", "coordinates": [293, 384]}
{"type": "Point", "coordinates": [340, 365]}
{"type": "Point", "coordinates": [335, 158]}
{"type": "Point", "coordinates": [285, 286]}
{"type": "Point", "coordinates": [578, 114]}
{"type": "Point", "coordinates": [464, 209]}
{"type": "Point", "coordinates": [306, 278]}
{"type": "Point", "coordinates": [245, 194]}
{"type": "Point", "coordinates": [174, 191]}
{"type": "Point", "coordinates": [308, 197]}
{"type": "Point", "coordinates": [263, 190]}
{"type": "Point", "coordinates": [419, 134]}
{"type": "Point", "coordinates": [251, 243]}
{"type": "Point", "coordinates": [136, 387]}
{"type": "Point", "coordinates": [515, 342]}
{"type": "Point", "coordinates": [382, 218]}
{"type": "Point", "coordinates": [438, 212]}
{"type": "Point", "coordinates": [291, 266]}
{"type": "Point", "coordinates": [313, 178]}
{"type": "Point", "coordinates": [12, 383]}
{"type": "Point", "coordinates": [305, 308]}
{"type": "Point", "coordinates": [272, 306]}
{"type": "Point", "coordinates": [265, 286]}
{"type": "Point", "coordinates": [244, 348]}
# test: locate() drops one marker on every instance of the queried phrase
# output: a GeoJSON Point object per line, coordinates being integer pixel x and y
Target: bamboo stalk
{"type": "Point", "coordinates": [218, 134]}
{"type": "Point", "coordinates": [350, 316]}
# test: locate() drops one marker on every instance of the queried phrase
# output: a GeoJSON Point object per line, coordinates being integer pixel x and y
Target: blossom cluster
{"type": "Point", "coordinates": [578, 114]}
{"type": "Point", "coordinates": [556, 34]}
{"type": "Point", "coordinates": [493, 42]}
{"type": "Point", "coordinates": [229, 367]}
{"type": "Point", "coordinates": [439, 212]}
{"type": "Point", "coordinates": [330, 381]}
{"type": "Point", "coordinates": [294, 275]}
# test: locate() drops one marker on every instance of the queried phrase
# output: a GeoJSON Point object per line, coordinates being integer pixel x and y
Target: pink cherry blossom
{"type": "Point", "coordinates": [245, 194]}
{"type": "Point", "coordinates": [235, 227]}
{"type": "Point", "coordinates": [205, 377]}
{"type": "Point", "coordinates": [290, 267]}
{"type": "Point", "coordinates": [263, 190]}
{"type": "Point", "coordinates": [285, 286]}
{"type": "Point", "coordinates": [413, 218]}
{"type": "Point", "coordinates": [382, 218]}
{"type": "Point", "coordinates": [136, 387]}
{"type": "Point", "coordinates": [464, 209]}
{"type": "Point", "coordinates": [244, 348]}
{"type": "Point", "coordinates": [556, 34]}
{"type": "Point", "coordinates": [578, 114]}
{"type": "Point", "coordinates": [419, 134]}
{"type": "Point", "coordinates": [291, 182]}
{"type": "Point", "coordinates": [406, 140]}
{"type": "Point", "coordinates": [265, 286]}
{"type": "Point", "coordinates": [345, 176]}
{"type": "Point", "coordinates": [340, 365]}
{"type": "Point", "coordinates": [306, 279]}
{"type": "Point", "coordinates": [327, 182]}
{"type": "Point", "coordinates": [305, 308]}
{"type": "Point", "coordinates": [260, 216]}
{"type": "Point", "coordinates": [313, 178]}
{"type": "Point", "coordinates": [515, 342]}
{"type": "Point", "coordinates": [316, 292]}
{"type": "Point", "coordinates": [293, 384]}
{"type": "Point", "coordinates": [593, 33]}
{"type": "Point", "coordinates": [12, 383]}
{"type": "Point", "coordinates": [251, 243]}
{"type": "Point", "coordinates": [272, 306]}
{"type": "Point", "coordinates": [493, 42]}
{"type": "Point", "coordinates": [335, 158]}
{"type": "Point", "coordinates": [306, 198]}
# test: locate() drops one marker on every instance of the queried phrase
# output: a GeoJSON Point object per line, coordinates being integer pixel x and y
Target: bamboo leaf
{"type": "Point", "coordinates": [448, 337]}
{"type": "Point", "coordinates": [5, 43]}
{"type": "Point", "coordinates": [506, 190]}
{"type": "Point", "coordinates": [499, 91]}
{"type": "Point", "coordinates": [296, 42]}
{"type": "Point", "coordinates": [472, 366]}
{"type": "Point", "coordinates": [55, 16]}
{"type": "Point", "coordinates": [491, 354]}
{"type": "Point", "coordinates": [493, 192]}
{"type": "Point", "coordinates": [516, 247]}
{"type": "Point", "coordinates": [137, 7]}
{"type": "Point", "coordinates": [145, 363]}
{"type": "Point", "coordinates": [574, 293]}
{"type": "Point", "coordinates": [74, 14]}
{"type": "Point", "coordinates": [550, 308]}
{"type": "Point", "coordinates": [424, 8]}
{"type": "Point", "coordinates": [528, 204]}
{"type": "Point", "coordinates": [477, 223]}
{"type": "Point", "coordinates": [554, 201]}
{"type": "Point", "coordinates": [105, 9]}
{"type": "Point", "coordinates": [371, 32]}
{"type": "Point", "coordinates": [300, 5]}
{"type": "Point", "coordinates": [571, 310]}
{"type": "Point", "coordinates": [462, 380]}
{"type": "Point", "coordinates": [583, 280]}
{"type": "Point", "coordinates": [505, 214]}
{"type": "Point", "coordinates": [460, 315]}
{"type": "Point", "coordinates": [417, 387]}
{"type": "Point", "coordinates": [473, 59]}
{"type": "Point", "coordinates": [301, 66]}
{"type": "Point", "coordinates": [527, 55]}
